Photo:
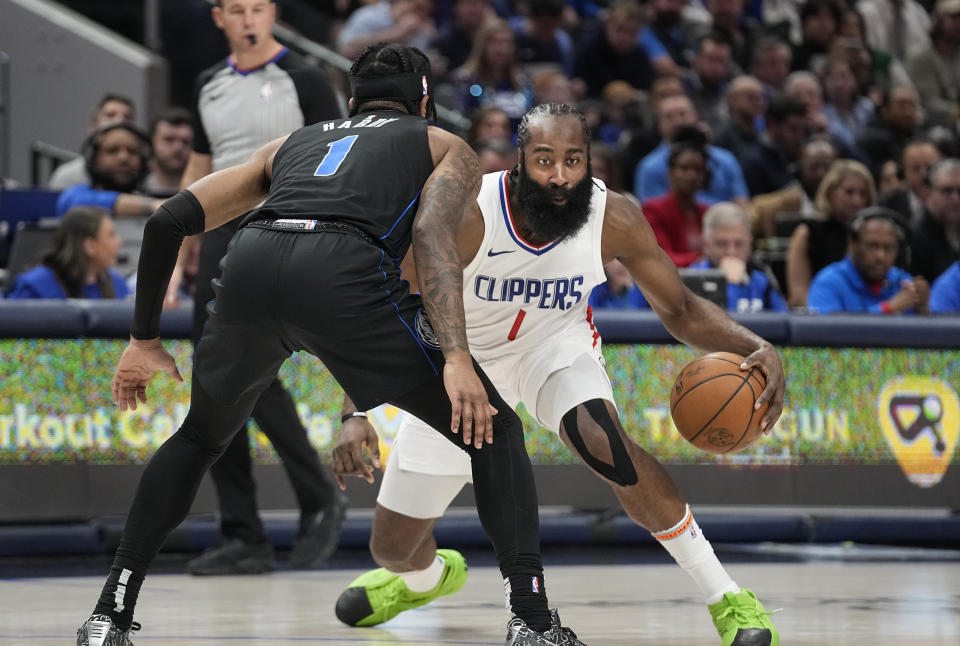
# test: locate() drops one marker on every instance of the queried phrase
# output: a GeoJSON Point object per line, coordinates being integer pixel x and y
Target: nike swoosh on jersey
{"type": "Point", "coordinates": [493, 253]}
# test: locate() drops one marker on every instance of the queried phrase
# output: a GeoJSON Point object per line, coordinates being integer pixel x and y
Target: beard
{"type": "Point", "coordinates": [547, 220]}
{"type": "Point", "coordinates": [107, 181]}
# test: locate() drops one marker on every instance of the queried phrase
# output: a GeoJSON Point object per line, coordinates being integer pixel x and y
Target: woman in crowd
{"type": "Point", "coordinates": [490, 122]}
{"type": "Point", "coordinates": [79, 262]}
{"type": "Point", "coordinates": [848, 112]}
{"type": "Point", "coordinates": [847, 188]}
{"type": "Point", "coordinates": [491, 75]}
{"type": "Point", "coordinates": [677, 216]}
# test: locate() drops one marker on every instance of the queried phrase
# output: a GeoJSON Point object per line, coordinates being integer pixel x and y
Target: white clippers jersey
{"type": "Point", "coordinates": [518, 296]}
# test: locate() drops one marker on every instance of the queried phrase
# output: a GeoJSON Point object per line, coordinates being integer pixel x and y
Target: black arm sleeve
{"type": "Point", "coordinates": [180, 216]}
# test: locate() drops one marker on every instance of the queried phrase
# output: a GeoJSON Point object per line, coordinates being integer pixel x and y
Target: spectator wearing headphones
{"type": "Point", "coordinates": [110, 108]}
{"type": "Point", "coordinates": [867, 280]}
{"type": "Point", "coordinates": [117, 156]}
{"type": "Point", "coordinates": [79, 263]}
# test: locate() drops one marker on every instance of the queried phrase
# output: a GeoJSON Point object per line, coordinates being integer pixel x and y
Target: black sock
{"type": "Point", "coordinates": [526, 595]}
{"type": "Point", "coordinates": [166, 490]}
{"type": "Point", "coordinates": [119, 595]}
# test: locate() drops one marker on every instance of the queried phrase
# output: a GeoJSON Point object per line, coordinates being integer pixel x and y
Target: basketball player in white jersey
{"type": "Point", "coordinates": [535, 245]}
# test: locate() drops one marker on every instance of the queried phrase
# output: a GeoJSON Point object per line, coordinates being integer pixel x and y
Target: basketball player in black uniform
{"type": "Point", "coordinates": [262, 91]}
{"type": "Point", "coordinates": [316, 268]}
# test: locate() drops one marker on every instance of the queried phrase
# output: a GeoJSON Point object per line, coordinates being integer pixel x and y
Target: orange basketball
{"type": "Point", "coordinates": [712, 403]}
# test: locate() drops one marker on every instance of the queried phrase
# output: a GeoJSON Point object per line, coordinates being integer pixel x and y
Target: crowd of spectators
{"type": "Point", "coordinates": [796, 114]}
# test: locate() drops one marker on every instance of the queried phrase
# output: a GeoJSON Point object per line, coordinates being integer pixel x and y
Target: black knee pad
{"type": "Point", "coordinates": [621, 471]}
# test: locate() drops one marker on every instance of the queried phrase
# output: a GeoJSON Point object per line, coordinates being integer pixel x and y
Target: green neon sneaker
{"type": "Point", "coordinates": [742, 620]}
{"type": "Point", "coordinates": [380, 595]}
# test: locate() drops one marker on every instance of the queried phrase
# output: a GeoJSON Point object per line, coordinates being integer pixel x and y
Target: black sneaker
{"type": "Point", "coordinates": [99, 630]}
{"type": "Point", "coordinates": [319, 536]}
{"type": "Point", "coordinates": [233, 556]}
{"type": "Point", "coordinates": [519, 634]}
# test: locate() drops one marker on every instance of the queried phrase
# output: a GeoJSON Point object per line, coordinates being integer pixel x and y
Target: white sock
{"type": "Point", "coordinates": [693, 552]}
{"type": "Point", "coordinates": [424, 580]}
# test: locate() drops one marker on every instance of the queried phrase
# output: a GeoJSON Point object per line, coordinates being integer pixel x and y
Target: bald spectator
{"type": "Point", "coordinates": [945, 292]}
{"type": "Point", "coordinates": [771, 64]}
{"type": "Point", "coordinates": [935, 239]}
{"type": "Point", "coordinates": [895, 124]}
{"type": "Point", "coordinates": [110, 108]}
{"type": "Point", "coordinates": [805, 86]}
{"type": "Point", "coordinates": [919, 156]}
{"type": "Point", "coordinates": [935, 71]}
{"type": "Point", "coordinates": [867, 280]}
{"type": "Point", "coordinates": [745, 106]}
{"type": "Point", "coordinates": [171, 136]}
{"type": "Point", "coordinates": [768, 165]}
{"type": "Point", "coordinates": [611, 53]}
{"type": "Point", "coordinates": [707, 81]}
{"type": "Point", "coordinates": [401, 21]}
{"type": "Point", "coordinates": [899, 27]}
{"type": "Point", "coordinates": [728, 245]}
{"type": "Point", "coordinates": [651, 180]}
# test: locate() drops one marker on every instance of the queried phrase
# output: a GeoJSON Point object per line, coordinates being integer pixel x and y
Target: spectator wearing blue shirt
{"type": "Point", "coordinates": [79, 262]}
{"type": "Point", "coordinates": [867, 280]}
{"type": "Point", "coordinates": [619, 292]}
{"type": "Point", "coordinates": [116, 155]}
{"type": "Point", "coordinates": [945, 293]}
{"type": "Point", "coordinates": [651, 178]}
{"type": "Point", "coordinates": [667, 39]}
{"type": "Point", "coordinates": [727, 245]}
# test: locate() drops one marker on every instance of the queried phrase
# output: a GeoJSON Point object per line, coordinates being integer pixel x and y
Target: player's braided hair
{"type": "Point", "coordinates": [549, 109]}
{"type": "Point", "coordinates": [389, 59]}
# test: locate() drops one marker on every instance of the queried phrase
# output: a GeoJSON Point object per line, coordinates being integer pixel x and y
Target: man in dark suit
{"type": "Point", "coordinates": [918, 156]}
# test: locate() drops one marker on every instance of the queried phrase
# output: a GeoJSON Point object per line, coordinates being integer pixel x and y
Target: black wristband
{"type": "Point", "coordinates": [356, 413]}
{"type": "Point", "coordinates": [180, 216]}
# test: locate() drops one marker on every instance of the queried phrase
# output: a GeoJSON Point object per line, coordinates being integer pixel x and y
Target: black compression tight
{"type": "Point", "coordinates": [165, 493]}
{"type": "Point", "coordinates": [505, 492]}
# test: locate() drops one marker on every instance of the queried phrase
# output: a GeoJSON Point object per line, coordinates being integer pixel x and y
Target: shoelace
{"type": "Point", "coordinates": [742, 613]}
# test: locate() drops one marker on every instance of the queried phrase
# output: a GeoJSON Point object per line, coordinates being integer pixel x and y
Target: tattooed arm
{"type": "Point", "coordinates": [447, 194]}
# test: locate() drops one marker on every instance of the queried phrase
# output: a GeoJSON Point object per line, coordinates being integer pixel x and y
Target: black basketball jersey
{"type": "Point", "coordinates": [367, 172]}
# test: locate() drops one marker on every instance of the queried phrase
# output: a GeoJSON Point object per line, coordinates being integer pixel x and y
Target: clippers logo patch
{"type": "Point", "coordinates": [425, 331]}
{"type": "Point", "coordinates": [920, 418]}
{"type": "Point", "coordinates": [535, 584]}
